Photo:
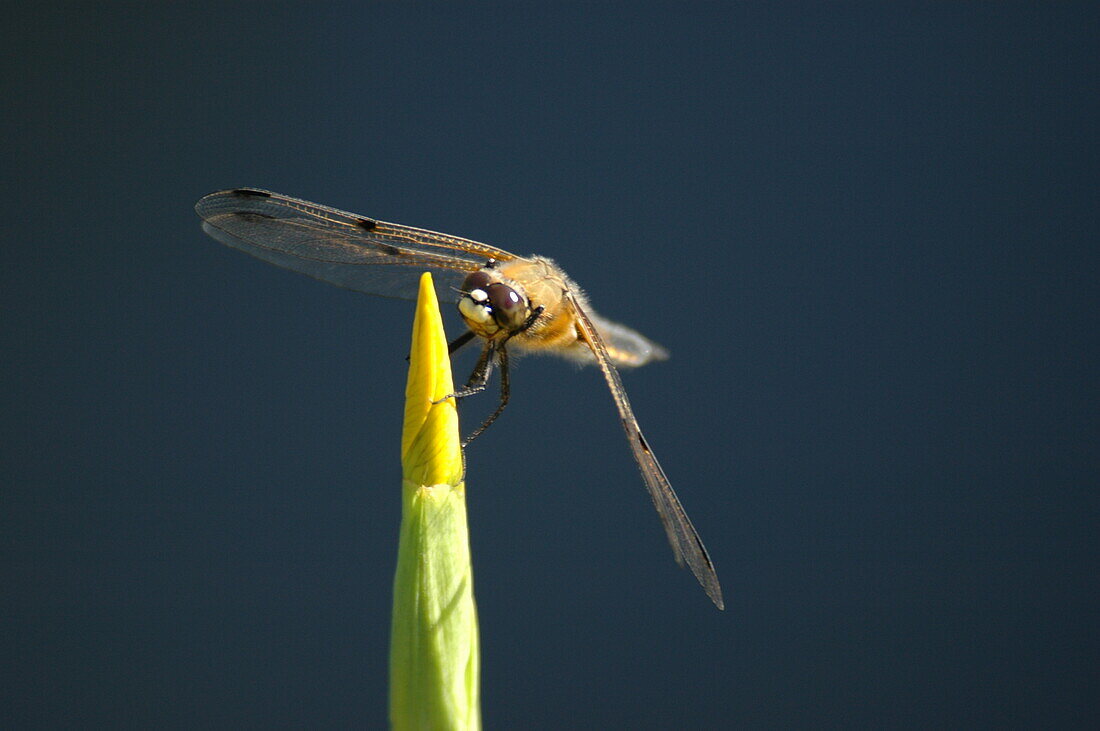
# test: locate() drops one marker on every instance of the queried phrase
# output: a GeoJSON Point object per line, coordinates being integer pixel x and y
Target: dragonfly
{"type": "Point", "coordinates": [505, 300]}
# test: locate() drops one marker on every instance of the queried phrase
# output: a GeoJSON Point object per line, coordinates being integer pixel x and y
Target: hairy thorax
{"type": "Point", "coordinates": [546, 286]}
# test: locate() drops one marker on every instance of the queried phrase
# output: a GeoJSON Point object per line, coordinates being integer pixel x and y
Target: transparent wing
{"type": "Point", "coordinates": [626, 347]}
{"type": "Point", "coordinates": [682, 536]}
{"type": "Point", "coordinates": [338, 247]}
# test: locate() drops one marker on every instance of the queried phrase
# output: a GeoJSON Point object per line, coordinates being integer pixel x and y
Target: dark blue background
{"type": "Point", "coordinates": [868, 235]}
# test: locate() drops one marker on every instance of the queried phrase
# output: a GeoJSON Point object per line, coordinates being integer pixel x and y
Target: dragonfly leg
{"type": "Point", "coordinates": [505, 387]}
{"type": "Point", "coordinates": [460, 342]}
{"type": "Point", "coordinates": [484, 368]}
{"type": "Point", "coordinates": [505, 391]}
{"type": "Point", "coordinates": [480, 376]}
{"type": "Point", "coordinates": [535, 313]}
{"type": "Point", "coordinates": [457, 344]}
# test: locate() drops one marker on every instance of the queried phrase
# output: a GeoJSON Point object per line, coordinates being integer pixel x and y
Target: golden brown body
{"type": "Point", "coordinates": [543, 284]}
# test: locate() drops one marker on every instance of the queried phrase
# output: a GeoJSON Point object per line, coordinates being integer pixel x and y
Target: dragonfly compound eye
{"type": "Point", "coordinates": [509, 309]}
{"type": "Point", "coordinates": [476, 281]}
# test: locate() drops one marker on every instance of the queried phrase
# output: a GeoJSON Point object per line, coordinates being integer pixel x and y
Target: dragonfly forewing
{"type": "Point", "coordinates": [338, 247]}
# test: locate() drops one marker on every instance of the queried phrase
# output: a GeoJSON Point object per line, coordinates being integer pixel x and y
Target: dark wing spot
{"type": "Point", "coordinates": [391, 250]}
{"type": "Point", "coordinates": [251, 192]}
{"type": "Point", "coordinates": [366, 224]}
{"type": "Point", "coordinates": [641, 441]}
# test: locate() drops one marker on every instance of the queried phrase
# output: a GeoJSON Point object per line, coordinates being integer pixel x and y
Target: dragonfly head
{"type": "Point", "coordinates": [489, 306]}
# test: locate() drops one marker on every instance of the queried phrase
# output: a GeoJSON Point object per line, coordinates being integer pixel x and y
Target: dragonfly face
{"type": "Point", "coordinates": [492, 307]}
{"type": "Point", "coordinates": [505, 300]}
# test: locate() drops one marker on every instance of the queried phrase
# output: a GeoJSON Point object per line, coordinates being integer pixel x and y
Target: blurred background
{"type": "Point", "coordinates": [862, 231]}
